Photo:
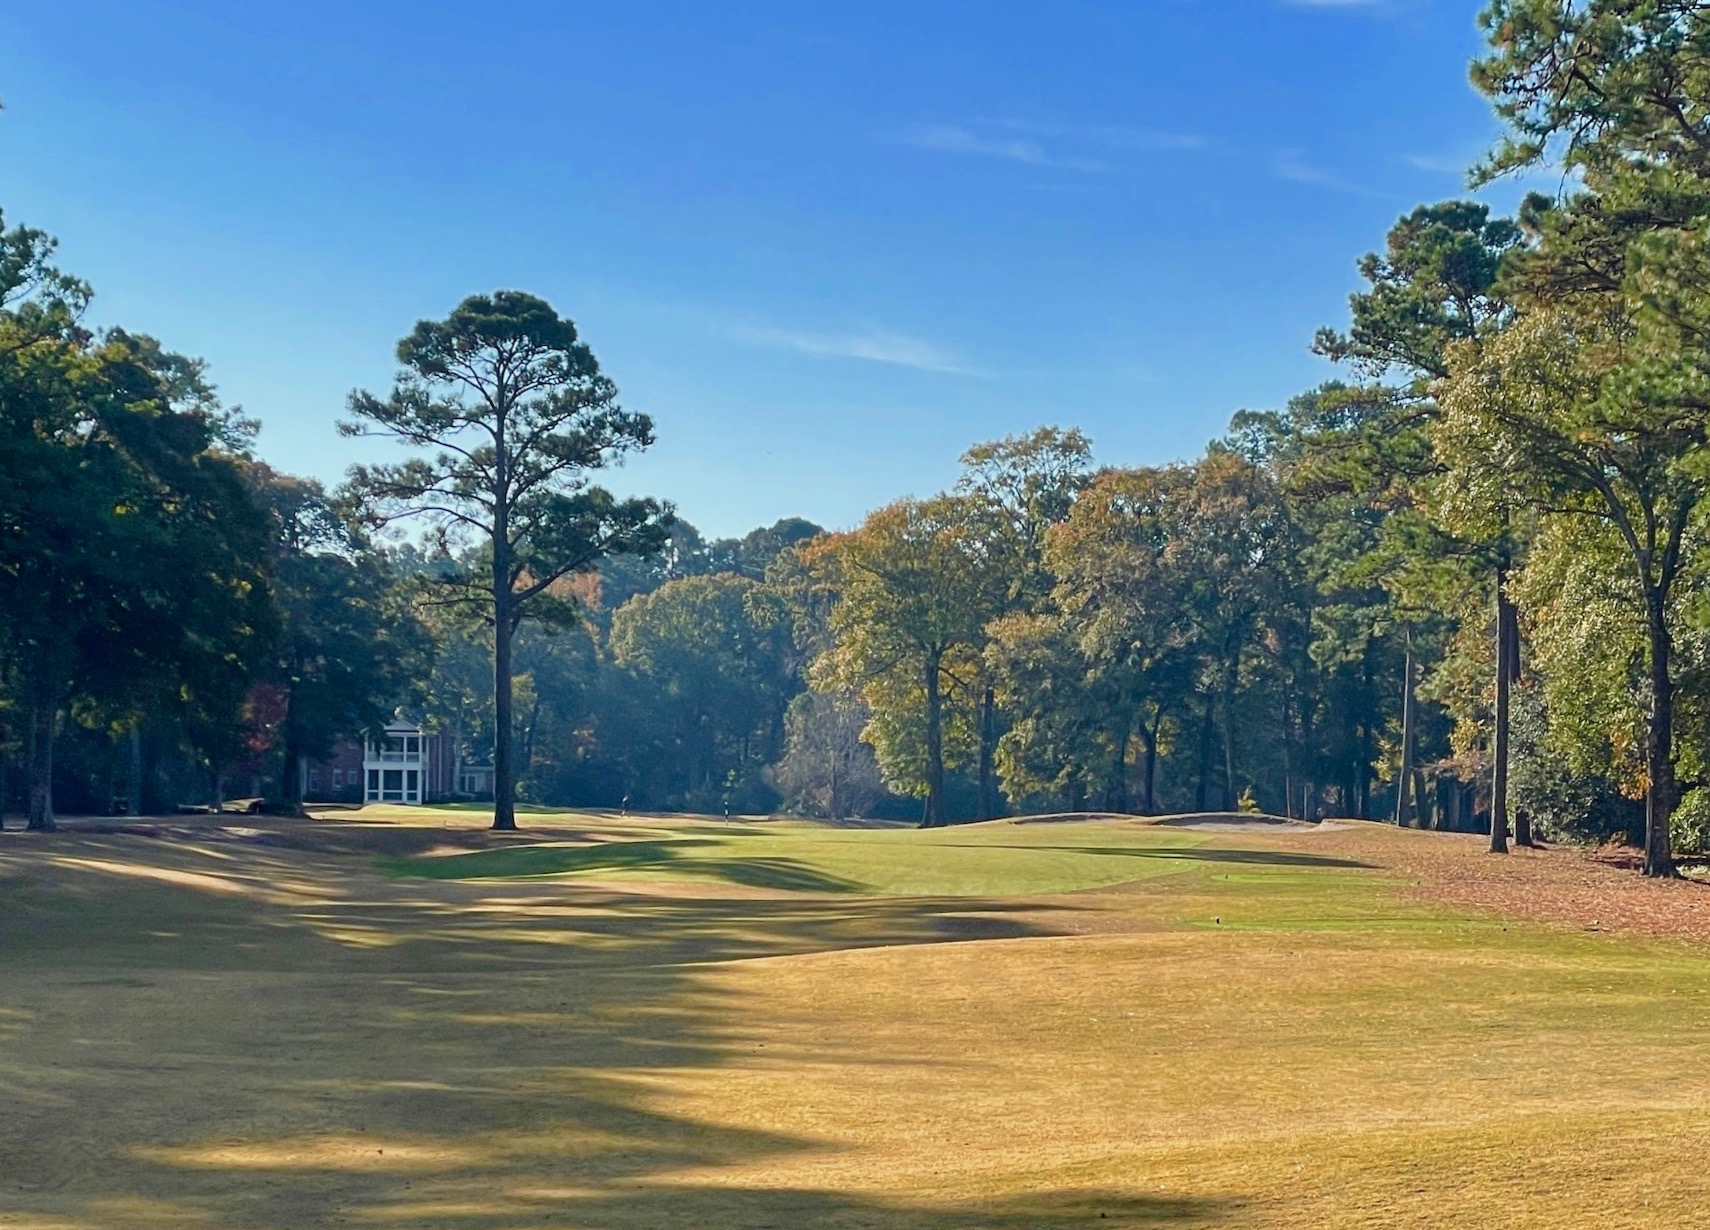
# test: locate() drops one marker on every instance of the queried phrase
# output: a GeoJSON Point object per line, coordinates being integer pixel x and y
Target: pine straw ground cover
{"type": "Point", "coordinates": [1596, 892]}
{"type": "Point", "coordinates": [303, 1025]}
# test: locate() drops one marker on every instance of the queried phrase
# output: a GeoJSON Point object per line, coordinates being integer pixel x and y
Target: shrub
{"type": "Point", "coordinates": [1689, 827]}
{"type": "Point", "coordinates": [1567, 803]}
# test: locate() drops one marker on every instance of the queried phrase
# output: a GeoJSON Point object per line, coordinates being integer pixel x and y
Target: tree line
{"type": "Point", "coordinates": [1461, 585]}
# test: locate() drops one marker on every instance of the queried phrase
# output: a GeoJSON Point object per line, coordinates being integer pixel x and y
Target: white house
{"type": "Point", "coordinates": [405, 764]}
{"type": "Point", "coordinates": [401, 763]}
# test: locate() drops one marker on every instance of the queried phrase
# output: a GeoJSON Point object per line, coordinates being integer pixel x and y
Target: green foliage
{"type": "Point", "coordinates": [1436, 284]}
{"type": "Point", "coordinates": [1569, 791]}
{"type": "Point", "coordinates": [1060, 748]}
{"type": "Point", "coordinates": [1598, 82]}
{"type": "Point", "coordinates": [132, 558]}
{"type": "Point", "coordinates": [1172, 605]}
{"type": "Point", "coordinates": [1689, 827]}
{"type": "Point", "coordinates": [1587, 634]}
{"type": "Point", "coordinates": [715, 651]}
{"type": "Point", "coordinates": [1553, 415]}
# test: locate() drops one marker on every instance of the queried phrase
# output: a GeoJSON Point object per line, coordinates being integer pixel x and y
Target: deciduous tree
{"type": "Point", "coordinates": [914, 591]}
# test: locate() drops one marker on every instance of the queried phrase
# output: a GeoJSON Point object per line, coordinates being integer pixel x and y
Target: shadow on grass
{"type": "Point", "coordinates": [520, 862]}
{"type": "Point", "coordinates": [790, 1209]}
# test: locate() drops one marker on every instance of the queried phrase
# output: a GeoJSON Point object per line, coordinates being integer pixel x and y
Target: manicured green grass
{"type": "Point", "coordinates": [999, 859]}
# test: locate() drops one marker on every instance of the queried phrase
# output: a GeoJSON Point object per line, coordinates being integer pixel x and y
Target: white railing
{"type": "Point", "coordinates": [394, 757]}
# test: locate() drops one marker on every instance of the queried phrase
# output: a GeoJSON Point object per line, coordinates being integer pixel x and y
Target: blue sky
{"type": "Point", "coordinates": [826, 247]}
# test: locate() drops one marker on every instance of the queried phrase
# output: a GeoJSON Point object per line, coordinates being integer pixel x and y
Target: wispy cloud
{"type": "Point", "coordinates": [1110, 136]}
{"type": "Point", "coordinates": [1073, 147]}
{"type": "Point", "coordinates": [1039, 143]}
{"type": "Point", "coordinates": [956, 139]}
{"type": "Point", "coordinates": [872, 345]}
{"type": "Point", "coordinates": [1436, 165]}
{"type": "Point", "coordinates": [1290, 165]}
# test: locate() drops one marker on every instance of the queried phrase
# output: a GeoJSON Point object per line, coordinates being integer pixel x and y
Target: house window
{"type": "Point", "coordinates": [373, 784]}
{"type": "Point", "coordinates": [412, 786]}
{"type": "Point", "coordinates": [337, 778]}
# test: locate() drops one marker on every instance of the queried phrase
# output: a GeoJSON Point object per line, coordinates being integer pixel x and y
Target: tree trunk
{"type": "Point", "coordinates": [1660, 798]}
{"type": "Point", "coordinates": [1363, 770]}
{"type": "Point", "coordinates": [291, 779]}
{"type": "Point", "coordinates": [989, 806]}
{"type": "Point", "coordinates": [219, 791]}
{"type": "Point", "coordinates": [504, 767]}
{"type": "Point", "coordinates": [1116, 793]}
{"type": "Point", "coordinates": [1229, 747]}
{"type": "Point", "coordinates": [532, 727]}
{"type": "Point", "coordinates": [41, 817]}
{"type": "Point", "coordinates": [1499, 741]}
{"type": "Point", "coordinates": [291, 773]}
{"type": "Point", "coordinates": [1522, 817]}
{"type": "Point", "coordinates": [504, 623]}
{"type": "Point", "coordinates": [834, 763]}
{"type": "Point", "coordinates": [1523, 829]}
{"type": "Point", "coordinates": [1148, 780]}
{"type": "Point", "coordinates": [1404, 779]}
{"type": "Point", "coordinates": [1206, 732]}
{"type": "Point", "coordinates": [134, 774]}
{"type": "Point", "coordinates": [934, 815]}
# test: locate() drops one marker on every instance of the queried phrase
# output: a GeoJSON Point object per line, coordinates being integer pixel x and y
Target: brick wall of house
{"type": "Point", "coordinates": [338, 778]}
{"type": "Point", "coordinates": [441, 767]}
